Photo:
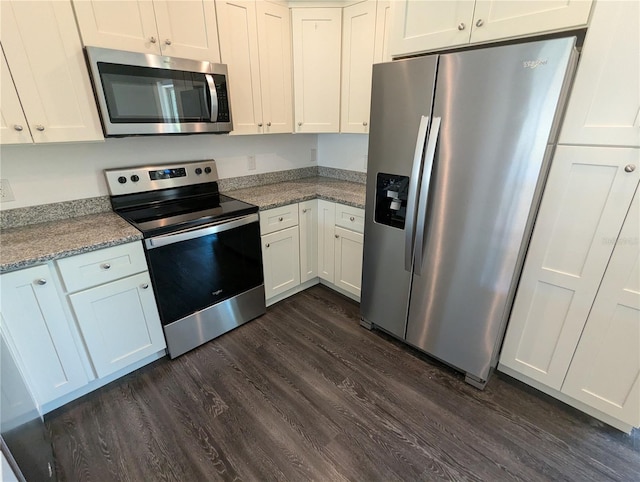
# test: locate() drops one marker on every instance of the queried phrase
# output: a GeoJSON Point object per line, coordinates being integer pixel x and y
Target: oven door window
{"type": "Point", "coordinates": [136, 94]}
{"type": "Point", "coordinates": [191, 275]}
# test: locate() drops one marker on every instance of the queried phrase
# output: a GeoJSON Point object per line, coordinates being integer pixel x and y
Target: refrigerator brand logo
{"type": "Point", "coordinates": [217, 292]}
{"type": "Point", "coordinates": [532, 64]}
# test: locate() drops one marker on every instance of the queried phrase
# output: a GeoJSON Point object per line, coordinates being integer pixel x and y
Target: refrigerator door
{"type": "Point", "coordinates": [402, 96]}
{"type": "Point", "coordinates": [497, 107]}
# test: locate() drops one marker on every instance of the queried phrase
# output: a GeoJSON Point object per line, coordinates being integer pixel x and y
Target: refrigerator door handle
{"type": "Point", "coordinates": [429, 157]}
{"type": "Point", "coordinates": [414, 181]}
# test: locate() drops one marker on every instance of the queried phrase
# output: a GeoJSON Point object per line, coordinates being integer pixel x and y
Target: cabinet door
{"type": "Point", "coordinates": [383, 30]}
{"type": "Point", "coordinates": [605, 370]}
{"type": "Point", "coordinates": [281, 261]}
{"type": "Point", "coordinates": [498, 19]}
{"type": "Point", "coordinates": [316, 68]}
{"type": "Point", "coordinates": [188, 29]}
{"type": "Point", "coordinates": [308, 217]}
{"type": "Point", "coordinates": [348, 260]}
{"type": "Point", "coordinates": [419, 26]}
{"type": "Point", "coordinates": [604, 107]}
{"type": "Point", "coordinates": [118, 24]}
{"type": "Point", "coordinates": [326, 243]}
{"type": "Point", "coordinates": [584, 204]}
{"type": "Point", "coordinates": [239, 49]}
{"type": "Point", "coordinates": [44, 53]}
{"type": "Point", "coordinates": [274, 45]}
{"type": "Point", "coordinates": [358, 34]}
{"type": "Point", "coordinates": [36, 326]}
{"type": "Point", "coordinates": [13, 124]}
{"type": "Point", "coordinates": [119, 322]}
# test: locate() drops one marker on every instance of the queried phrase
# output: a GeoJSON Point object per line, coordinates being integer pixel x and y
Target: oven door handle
{"type": "Point", "coordinates": [200, 231]}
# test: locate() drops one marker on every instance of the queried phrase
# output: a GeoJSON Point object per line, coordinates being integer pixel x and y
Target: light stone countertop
{"type": "Point", "coordinates": [38, 243]}
{"type": "Point", "coordinates": [283, 193]}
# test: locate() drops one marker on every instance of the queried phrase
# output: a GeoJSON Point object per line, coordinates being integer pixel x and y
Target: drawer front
{"type": "Point", "coordinates": [350, 218]}
{"type": "Point", "coordinates": [276, 219]}
{"type": "Point", "coordinates": [101, 266]}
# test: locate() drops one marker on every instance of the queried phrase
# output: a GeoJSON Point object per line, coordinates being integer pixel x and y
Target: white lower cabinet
{"type": "Point", "coordinates": [281, 261]}
{"type": "Point", "coordinates": [348, 263]}
{"type": "Point", "coordinates": [326, 244]}
{"type": "Point", "coordinates": [308, 219]}
{"type": "Point", "coordinates": [35, 324]}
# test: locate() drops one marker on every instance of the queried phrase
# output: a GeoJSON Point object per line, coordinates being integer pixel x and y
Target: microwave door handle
{"type": "Point", "coordinates": [213, 93]}
{"type": "Point", "coordinates": [429, 157]}
{"type": "Point", "coordinates": [414, 183]}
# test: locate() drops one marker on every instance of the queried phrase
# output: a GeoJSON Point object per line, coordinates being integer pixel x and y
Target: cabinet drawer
{"type": "Point", "coordinates": [97, 267]}
{"type": "Point", "coordinates": [350, 218]}
{"type": "Point", "coordinates": [276, 219]}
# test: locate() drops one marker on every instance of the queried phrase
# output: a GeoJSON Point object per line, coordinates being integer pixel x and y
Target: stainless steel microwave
{"type": "Point", "coordinates": [144, 94]}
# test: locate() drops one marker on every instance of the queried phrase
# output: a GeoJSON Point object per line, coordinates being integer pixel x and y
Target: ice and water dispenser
{"type": "Point", "coordinates": [391, 199]}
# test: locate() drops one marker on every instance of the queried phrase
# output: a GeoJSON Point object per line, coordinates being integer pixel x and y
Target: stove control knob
{"type": "Point", "coordinates": [207, 170]}
{"type": "Point", "coordinates": [135, 178]}
{"type": "Point", "coordinates": [198, 171]}
{"type": "Point", "coordinates": [122, 179]}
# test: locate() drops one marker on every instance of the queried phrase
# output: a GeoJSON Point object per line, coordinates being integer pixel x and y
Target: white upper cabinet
{"type": "Point", "coordinates": [605, 370]}
{"type": "Point", "coordinates": [44, 54]}
{"type": "Point", "coordinates": [358, 34]}
{"type": "Point", "coordinates": [604, 107]}
{"type": "Point", "coordinates": [423, 25]}
{"type": "Point", "coordinates": [255, 43]}
{"type": "Point", "coordinates": [13, 124]}
{"type": "Point", "coordinates": [316, 68]}
{"type": "Point", "coordinates": [179, 28]}
{"type": "Point", "coordinates": [585, 202]}
{"type": "Point", "coordinates": [383, 28]}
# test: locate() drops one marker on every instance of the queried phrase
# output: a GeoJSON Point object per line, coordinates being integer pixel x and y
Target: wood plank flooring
{"type": "Point", "coordinates": [305, 393]}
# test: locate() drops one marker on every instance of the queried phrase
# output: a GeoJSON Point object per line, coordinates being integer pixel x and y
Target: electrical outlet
{"type": "Point", "coordinates": [6, 194]}
{"type": "Point", "coordinates": [251, 163]}
{"type": "Point", "coordinates": [314, 155]}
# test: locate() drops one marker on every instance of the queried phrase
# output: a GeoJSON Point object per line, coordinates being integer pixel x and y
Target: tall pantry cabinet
{"type": "Point", "coordinates": [574, 330]}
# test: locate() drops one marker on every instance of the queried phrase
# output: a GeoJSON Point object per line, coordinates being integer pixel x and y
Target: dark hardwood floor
{"type": "Point", "coordinates": [305, 393]}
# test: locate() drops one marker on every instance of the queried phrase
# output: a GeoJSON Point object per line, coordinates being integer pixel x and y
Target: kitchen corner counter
{"type": "Point", "coordinates": [38, 243]}
{"type": "Point", "coordinates": [280, 194]}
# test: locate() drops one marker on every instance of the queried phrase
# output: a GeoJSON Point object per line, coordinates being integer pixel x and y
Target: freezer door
{"type": "Point", "coordinates": [497, 107]}
{"type": "Point", "coordinates": [401, 101]}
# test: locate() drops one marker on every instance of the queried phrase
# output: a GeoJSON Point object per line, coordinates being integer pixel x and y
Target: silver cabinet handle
{"type": "Point", "coordinates": [39, 127]}
{"type": "Point", "coordinates": [479, 23]}
{"type": "Point", "coordinates": [268, 124]}
{"type": "Point", "coordinates": [18, 127]}
{"type": "Point", "coordinates": [167, 42]}
{"type": "Point", "coordinates": [337, 236]}
{"type": "Point", "coordinates": [267, 245]}
{"type": "Point", "coordinates": [280, 219]}
{"type": "Point", "coordinates": [152, 40]}
{"type": "Point", "coordinates": [144, 286]}
{"type": "Point", "coordinates": [105, 266]}
{"type": "Point", "coordinates": [41, 281]}
{"type": "Point", "coordinates": [260, 124]}
{"type": "Point", "coordinates": [629, 168]}
{"type": "Point", "coordinates": [461, 26]}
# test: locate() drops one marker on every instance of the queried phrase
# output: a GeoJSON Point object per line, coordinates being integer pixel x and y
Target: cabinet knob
{"type": "Point", "coordinates": [281, 219]}
{"type": "Point", "coordinates": [105, 266]}
{"type": "Point", "coordinates": [352, 219]}
{"type": "Point", "coordinates": [39, 127]}
{"type": "Point", "coordinates": [479, 23]}
{"type": "Point", "coordinates": [260, 124]}
{"type": "Point", "coordinates": [152, 40]}
{"type": "Point", "coordinates": [461, 26]}
{"type": "Point", "coordinates": [267, 245]}
{"type": "Point", "coordinates": [629, 168]}
{"type": "Point", "coordinates": [268, 124]}
{"type": "Point", "coordinates": [18, 127]}
{"type": "Point", "coordinates": [41, 281]}
{"type": "Point", "coordinates": [304, 211]}
{"type": "Point", "coordinates": [144, 286]}
{"type": "Point", "coordinates": [299, 124]}
{"type": "Point", "coordinates": [337, 236]}
{"type": "Point", "coordinates": [167, 42]}
{"type": "Point", "coordinates": [365, 123]}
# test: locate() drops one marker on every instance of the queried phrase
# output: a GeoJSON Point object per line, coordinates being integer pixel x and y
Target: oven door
{"type": "Point", "coordinates": [194, 269]}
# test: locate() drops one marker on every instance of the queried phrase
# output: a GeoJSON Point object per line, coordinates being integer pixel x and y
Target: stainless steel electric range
{"type": "Point", "coordinates": [202, 247]}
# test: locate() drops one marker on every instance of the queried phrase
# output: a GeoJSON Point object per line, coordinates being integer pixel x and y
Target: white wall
{"type": "Point", "coordinates": [343, 151]}
{"type": "Point", "coordinates": [42, 174]}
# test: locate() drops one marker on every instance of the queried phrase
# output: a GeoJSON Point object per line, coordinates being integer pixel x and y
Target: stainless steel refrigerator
{"type": "Point", "coordinates": [459, 149]}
